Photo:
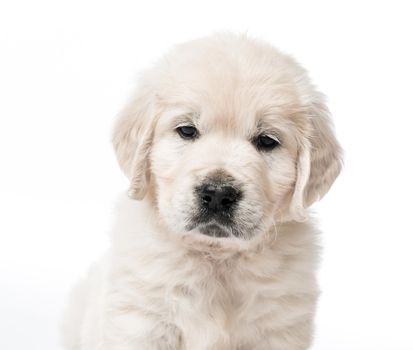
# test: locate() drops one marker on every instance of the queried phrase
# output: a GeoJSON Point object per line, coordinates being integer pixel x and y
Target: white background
{"type": "Point", "coordinates": [66, 67]}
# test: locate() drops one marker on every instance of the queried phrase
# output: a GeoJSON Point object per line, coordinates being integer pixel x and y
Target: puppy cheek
{"type": "Point", "coordinates": [165, 168]}
{"type": "Point", "coordinates": [175, 202]}
{"type": "Point", "coordinates": [283, 177]}
{"type": "Point", "coordinates": [166, 205]}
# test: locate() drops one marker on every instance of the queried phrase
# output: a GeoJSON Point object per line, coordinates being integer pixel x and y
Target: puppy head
{"type": "Point", "coordinates": [226, 136]}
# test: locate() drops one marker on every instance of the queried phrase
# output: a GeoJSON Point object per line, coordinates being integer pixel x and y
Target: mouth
{"type": "Point", "coordinates": [218, 225]}
{"type": "Point", "coordinates": [214, 230]}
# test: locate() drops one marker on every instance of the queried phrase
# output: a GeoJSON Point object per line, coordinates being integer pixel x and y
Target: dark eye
{"type": "Point", "coordinates": [266, 143]}
{"type": "Point", "coordinates": [187, 132]}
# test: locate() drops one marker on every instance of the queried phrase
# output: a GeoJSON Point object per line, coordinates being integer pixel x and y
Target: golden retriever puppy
{"type": "Point", "coordinates": [226, 144]}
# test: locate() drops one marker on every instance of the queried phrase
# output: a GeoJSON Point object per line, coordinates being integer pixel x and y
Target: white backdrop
{"type": "Point", "coordinates": [66, 67]}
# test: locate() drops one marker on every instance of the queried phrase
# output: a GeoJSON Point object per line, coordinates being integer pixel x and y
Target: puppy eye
{"type": "Point", "coordinates": [266, 143]}
{"type": "Point", "coordinates": [187, 132]}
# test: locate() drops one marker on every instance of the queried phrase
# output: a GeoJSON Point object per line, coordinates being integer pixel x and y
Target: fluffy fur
{"type": "Point", "coordinates": [165, 284]}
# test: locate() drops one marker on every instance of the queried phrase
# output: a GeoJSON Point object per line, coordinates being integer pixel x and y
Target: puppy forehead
{"type": "Point", "coordinates": [232, 85]}
{"type": "Point", "coordinates": [235, 107]}
{"type": "Point", "coordinates": [245, 110]}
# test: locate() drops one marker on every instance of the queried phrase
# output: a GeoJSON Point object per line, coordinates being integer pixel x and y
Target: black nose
{"type": "Point", "coordinates": [218, 198]}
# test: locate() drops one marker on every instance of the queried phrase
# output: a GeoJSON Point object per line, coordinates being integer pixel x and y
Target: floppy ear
{"type": "Point", "coordinates": [132, 140]}
{"type": "Point", "coordinates": [319, 160]}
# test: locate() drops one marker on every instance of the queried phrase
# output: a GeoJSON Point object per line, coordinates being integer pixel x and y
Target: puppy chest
{"type": "Point", "coordinates": [224, 316]}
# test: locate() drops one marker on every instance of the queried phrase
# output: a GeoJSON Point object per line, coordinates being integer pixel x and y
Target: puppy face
{"type": "Point", "coordinates": [227, 137]}
{"type": "Point", "coordinates": [219, 172]}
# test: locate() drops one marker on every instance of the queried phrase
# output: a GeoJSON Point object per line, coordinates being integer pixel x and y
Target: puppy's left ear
{"type": "Point", "coordinates": [319, 159]}
{"type": "Point", "coordinates": [132, 140]}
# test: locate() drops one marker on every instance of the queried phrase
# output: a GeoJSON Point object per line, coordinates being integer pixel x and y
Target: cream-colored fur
{"type": "Point", "coordinates": [163, 285]}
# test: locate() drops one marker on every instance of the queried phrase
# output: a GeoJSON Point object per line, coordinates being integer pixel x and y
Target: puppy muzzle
{"type": "Point", "coordinates": [217, 200]}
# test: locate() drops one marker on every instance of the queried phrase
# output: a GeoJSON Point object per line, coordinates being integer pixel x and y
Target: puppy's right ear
{"type": "Point", "coordinates": [132, 140]}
